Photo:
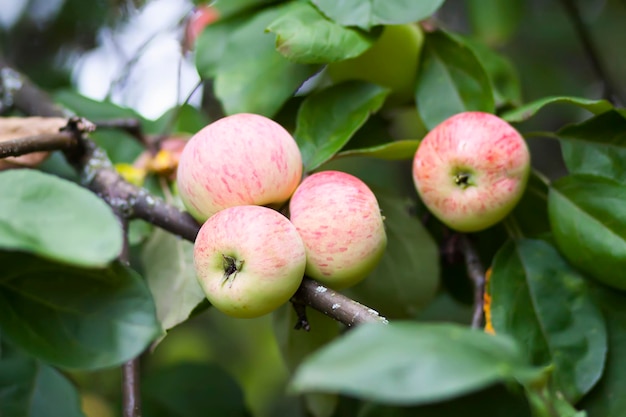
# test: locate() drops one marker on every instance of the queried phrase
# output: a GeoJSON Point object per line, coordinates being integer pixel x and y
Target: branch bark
{"type": "Point", "coordinates": [37, 143]}
{"type": "Point", "coordinates": [131, 382]}
{"type": "Point", "coordinates": [335, 305]}
{"type": "Point", "coordinates": [476, 273]}
{"type": "Point", "coordinates": [131, 395]}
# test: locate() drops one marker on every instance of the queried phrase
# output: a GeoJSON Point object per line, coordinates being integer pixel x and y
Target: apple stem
{"type": "Point", "coordinates": [231, 267]}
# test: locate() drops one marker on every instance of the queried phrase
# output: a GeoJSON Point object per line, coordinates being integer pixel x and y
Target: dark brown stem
{"type": "Point", "coordinates": [131, 396]}
{"type": "Point", "coordinates": [303, 321]}
{"type": "Point", "coordinates": [476, 273]}
{"type": "Point", "coordinates": [131, 391]}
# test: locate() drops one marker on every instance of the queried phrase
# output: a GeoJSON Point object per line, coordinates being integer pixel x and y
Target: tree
{"type": "Point", "coordinates": [99, 301]}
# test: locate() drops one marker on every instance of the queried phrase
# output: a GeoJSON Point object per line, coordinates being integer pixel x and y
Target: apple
{"type": "Point", "coordinates": [391, 62]}
{"type": "Point", "coordinates": [340, 222]}
{"type": "Point", "coordinates": [200, 17]}
{"type": "Point", "coordinates": [243, 159]}
{"type": "Point", "coordinates": [249, 260]}
{"type": "Point", "coordinates": [471, 170]}
{"type": "Point", "coordinates": [95, 405]}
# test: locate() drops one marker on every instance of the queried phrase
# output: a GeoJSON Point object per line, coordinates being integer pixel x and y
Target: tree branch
{"type": "Point", "coordinates": [98, 174]}
{"type": "Point", "coordinates": [30, 144]}
{"type": "Point", "coordinates": [131, 388]}
{"type": "Point", "coordinates": [476, 273]}
{"type": "Point", "coordinates": [335, 305]}
{"type": "Point", "coordinates": [131, 395]}
{"type": "Point", "coordinates": [17, 91]}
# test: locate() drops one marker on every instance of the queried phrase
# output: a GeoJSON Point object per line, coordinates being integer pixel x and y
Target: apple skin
{"type": "Point", "coordinates": [391, 62]}
{"type": "Point", "coordinates": [471, 170]}
{"type": "Point", "coordinates": [249, 260]}
{"type": "Point", "coordinates": [340, 222]}
{"type": "Point", "coordinates": [243, 159]}
{"type": "Point", "coordinates": [201, 17]}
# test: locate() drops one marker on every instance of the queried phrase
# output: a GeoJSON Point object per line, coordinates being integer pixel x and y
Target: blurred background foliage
{"type": "Point", "coordinates": [129, 53]}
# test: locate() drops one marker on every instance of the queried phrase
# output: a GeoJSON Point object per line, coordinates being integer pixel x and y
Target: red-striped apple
{"type": "Point", "coordinates": [340, 222]}
{"type": "Point", "coordinates": [243, 159]}
{"type": "Point", "coordinates": [471, 170]}
{"type": "Point", "coordinates": [249, 260]}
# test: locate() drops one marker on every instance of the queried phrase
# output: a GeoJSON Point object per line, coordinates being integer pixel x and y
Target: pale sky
{"type": "Point", "coordinates": [138, 63]}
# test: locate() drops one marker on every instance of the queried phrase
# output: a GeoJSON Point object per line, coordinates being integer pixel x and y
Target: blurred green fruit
{"type": "Point", "coordinates": [93, 405]}
{"type": "Point", "coordinates": [405, 123]}
{"type": "Point", "coordinates": [391, 62]}
{"type": "Point", "coordinates": [182, 345]}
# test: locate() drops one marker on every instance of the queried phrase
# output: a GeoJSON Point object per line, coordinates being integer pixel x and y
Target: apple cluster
{"type": "Point", "coordinates": [234, 176]}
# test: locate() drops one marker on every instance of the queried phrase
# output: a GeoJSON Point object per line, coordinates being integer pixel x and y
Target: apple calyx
{"type": "Point", "coordinates": [231, 267]}
{"type": "Point", "coordinates": [462, 179]}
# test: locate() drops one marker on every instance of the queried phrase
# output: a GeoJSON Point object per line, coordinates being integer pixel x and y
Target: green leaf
{"type": "Point", "coordinates": [451, 80]}
{"type": "Point", "coordinates": [327, 120]}
{"type": "Point", "coordinates": [74, 317]}
{"type": "Point", "coordinates": [608, 398]}
{"type": "Point", "coordinates": [250, 75]}
{"type": "Point", "coordinates": [528, 110]}
{"type": "Point", "coordinates": [212, 45]}
{"type": "Point", "coordinates": [596, 146]}
{"type": "Point", "coordinates": [94, 110]}
{"type": "Point", "coordinates": [501, 73]}
{"type": "Point", "coordinates": [56, 219]}
{"type": "Point", "coordinates": [30, 388]}
{"type": "Point", "coordinates": [230, 8]}
{"type": "Point", "coordinates": [539, 299]}
{"type": "Point", "coordinates": [179, 119]}
{"type": "Point", "coordinates": [192, 390]}
{"type": "Point", "coordinates": [305, 36]}
{"type": "Point", "coordinates": [407, 277]}
{"type": "Point", "coordinates": [411, 363]}
{"type": "Point", "coordinates": [368, 13]}
{"type": "Point", "coordinates": [168, 269]}
{"type": "Point", "coordinates": [588, 219]}
{"type": "Point", "coordinates": [495, 401]}
{"type": "Point", "coordinates": [531, 213]}
{"type": "Point", "coordinates": [296, 345]}
{"type": "Point", "coordinates": [397, 150]}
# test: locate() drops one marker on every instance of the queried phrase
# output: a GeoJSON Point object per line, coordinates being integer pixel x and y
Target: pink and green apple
{"type": "Point", "coordinates": [200, 17]}
{"type": "Point", "coordinates": [249, 260]}
{"type": "Point", "coordinates": [243, 159]}
{"type": "Point", "coordinates": [340, 222]}
{"type": "Point", "coordinates": [471, 170]}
